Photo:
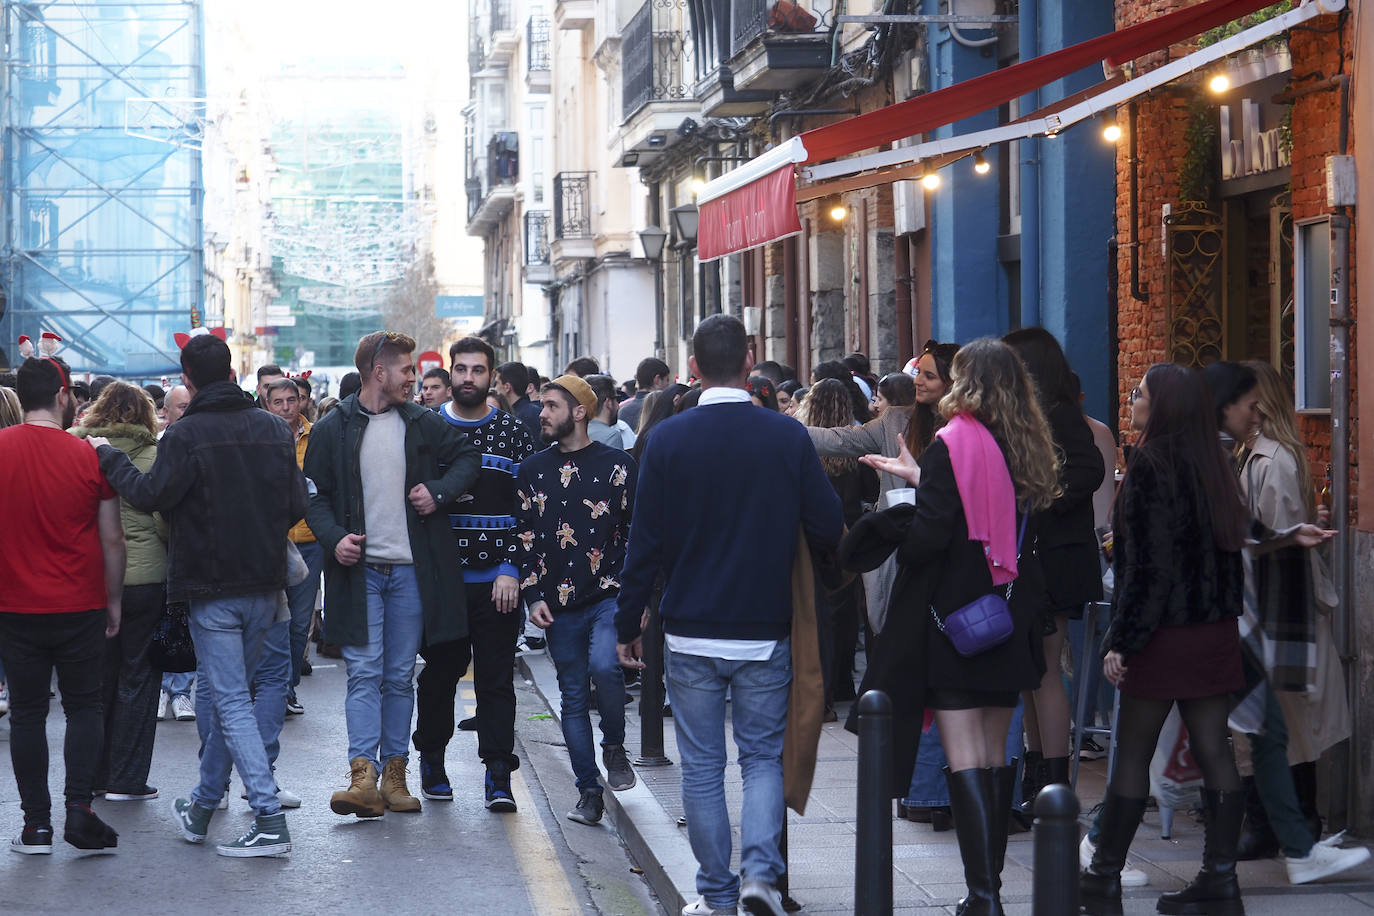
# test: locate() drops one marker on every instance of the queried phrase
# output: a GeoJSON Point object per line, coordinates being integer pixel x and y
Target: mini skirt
{"type": "Point", "coordinates": [1187, 662]}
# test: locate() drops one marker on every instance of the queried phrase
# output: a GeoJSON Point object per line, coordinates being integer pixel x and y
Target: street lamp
{"type": "Point", "coordinates": [652, 239]}
{"type": "Point", "coordinates": [685, 220]}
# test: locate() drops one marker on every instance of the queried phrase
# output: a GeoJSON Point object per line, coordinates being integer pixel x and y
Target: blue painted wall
{"type": "Point", "coordinates": [969, 294]}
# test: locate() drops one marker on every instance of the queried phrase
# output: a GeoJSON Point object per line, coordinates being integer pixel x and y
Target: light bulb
{"type": "Point", "coordinates": [1219, 83]}
{"type": "Point", "coordinates": [838, 212]}
{"type": "Point", "coordinates": [1111, 133]}
{"type": "Point", "coordinates": [697, 185]}
{"type": "Point", "coordinates": [930, 180]}
{"type": "Point", "coordinates": [981, 165]}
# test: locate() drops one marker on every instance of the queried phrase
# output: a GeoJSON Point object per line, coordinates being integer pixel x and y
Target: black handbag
{"type": "Point", "coordinates": [984, 623]}
{"type": "Point", "coordinates": [172, 650]}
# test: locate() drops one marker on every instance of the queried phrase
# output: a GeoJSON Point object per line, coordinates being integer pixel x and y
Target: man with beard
{"type": "Point", "coordinates": [62, 563]}
{"type": "Point", "coordinates": [574, 502]}
{"type": "Point", "coordinates": [382, 465]}
{"type": "Point", "coordinates": [483, 522]}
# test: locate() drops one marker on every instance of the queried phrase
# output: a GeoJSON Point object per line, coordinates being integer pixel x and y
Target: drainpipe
{"type": "Point", "coordinates": [1137, 293]}
{"type": "Point", "coordinates": [1028, 38]}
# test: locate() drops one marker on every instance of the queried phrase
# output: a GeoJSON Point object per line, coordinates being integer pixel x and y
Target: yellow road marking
{"type": "Point", "coordinates": [546, 883]}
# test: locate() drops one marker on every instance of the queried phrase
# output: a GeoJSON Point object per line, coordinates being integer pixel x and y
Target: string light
{"type": "Point", "coordinates": [930, 179]}
{"type": "Point", "coordinates": [1219, 83]}
{"type": "Point", "coordinates": [981, 165]}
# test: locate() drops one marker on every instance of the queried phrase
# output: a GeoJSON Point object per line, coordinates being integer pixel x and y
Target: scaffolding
{"type": "Point", "coordinates": [103, 114]}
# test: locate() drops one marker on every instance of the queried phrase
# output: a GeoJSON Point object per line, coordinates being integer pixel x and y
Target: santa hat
{"type": "Point", "coordinates": [183, 339]}
{"type": "Point", "coordinates": [47, 342]}
{"type": "Point", "coordinates": [25, 346]}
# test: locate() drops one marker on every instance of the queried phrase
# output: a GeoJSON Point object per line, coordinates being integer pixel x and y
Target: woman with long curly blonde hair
{"type": "Point", "coordinates": [990, 469]}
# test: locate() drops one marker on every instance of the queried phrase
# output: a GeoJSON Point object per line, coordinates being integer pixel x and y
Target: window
{"type": "Point", "coordinates": [1312, 316]}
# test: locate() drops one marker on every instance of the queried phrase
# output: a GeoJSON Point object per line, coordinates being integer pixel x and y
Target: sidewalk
{"type": "Point", "coordinates": [927, 873]}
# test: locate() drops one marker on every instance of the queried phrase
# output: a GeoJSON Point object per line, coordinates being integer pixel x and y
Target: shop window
{"type": "Point", "coordinates": [1312, 316]}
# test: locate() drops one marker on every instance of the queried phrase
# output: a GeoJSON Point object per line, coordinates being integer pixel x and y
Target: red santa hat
{"type": "Point", "coordinates": [47, 342]}
{"type": "Point", "coordinates": [25, 346]}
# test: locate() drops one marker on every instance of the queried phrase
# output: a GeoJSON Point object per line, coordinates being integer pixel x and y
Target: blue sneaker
{"type": "Point", "coordinates": [433, 780]}
{"type": "Point", "coordinates": [193, 820]}
{"type": "Point", "coordinates": [499, 797]}
{"type": "Point", "coordinates": [267, 837]}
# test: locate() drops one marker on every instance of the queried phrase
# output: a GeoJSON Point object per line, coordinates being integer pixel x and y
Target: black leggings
{"type": "Point", "coordinates": [1137, 733]}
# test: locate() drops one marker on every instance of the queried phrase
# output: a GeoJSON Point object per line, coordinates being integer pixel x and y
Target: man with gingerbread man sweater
{"type": "Point", "coordinates": [573, 506]}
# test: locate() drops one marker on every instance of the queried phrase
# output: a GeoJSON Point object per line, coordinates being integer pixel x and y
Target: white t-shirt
{"type": "Point", "coordinates": [382, 465]}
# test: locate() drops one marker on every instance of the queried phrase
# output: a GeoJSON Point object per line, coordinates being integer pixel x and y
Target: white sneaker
{"type": "Point", "coordinates": [1324, 860]}
{"type": "Point", "coordinates": [287, 798]}
{"type": "Point", "coordinates": [702, 908]}
{"type": "Point", "coordinates": [162, 701]}
{"type": "Point", "coordinates": [183, 710]}
{"type": "Point", "coordinates": [223, 802]}
{"type": "Point", "coordinates": [1130, 877]}
{"type": "Point", "coordinates": [759, 899]}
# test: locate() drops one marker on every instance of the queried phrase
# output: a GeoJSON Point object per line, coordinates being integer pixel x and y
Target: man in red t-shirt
{"type": "Point", "coordinates": [62, 562]}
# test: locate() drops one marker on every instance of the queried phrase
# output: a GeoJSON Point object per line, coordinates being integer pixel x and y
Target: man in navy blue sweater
{"type": "Point", "coordinates": [723, 490]}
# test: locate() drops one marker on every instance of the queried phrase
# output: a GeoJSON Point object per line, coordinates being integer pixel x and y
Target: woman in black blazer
{"type": "Point", "coordinates": [1067, 548]}
{"type": "Point", "coordinates": [942, 570]}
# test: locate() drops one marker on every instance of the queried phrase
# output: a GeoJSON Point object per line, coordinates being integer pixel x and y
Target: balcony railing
{"type": "Point", "coordinates": [537, 41]}
{"type": "Point", "coordinates": [537, 238]}
{"type": "Point", "coordinates": [572, 215]}
{"type": "Point", "coordinates": [500, 15]}
{"type": "Point", "coordinates": [751, 19]}
{"type": "Point", "coordinates": [655, 55]}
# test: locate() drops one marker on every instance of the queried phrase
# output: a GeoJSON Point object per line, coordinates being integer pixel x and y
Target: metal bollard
{"type": "Point", "coordinates": [1056, 852]}
{"type": "Point", "coordinates": [651, 752]}
{"type": "Point", "coordinates": [873, 848]}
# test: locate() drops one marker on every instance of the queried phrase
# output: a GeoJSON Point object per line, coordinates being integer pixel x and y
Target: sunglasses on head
{"type": "Point", "coordinates": [387, 337]}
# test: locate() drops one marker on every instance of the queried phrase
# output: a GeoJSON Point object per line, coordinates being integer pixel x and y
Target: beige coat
{"type": "Point", "coordinates": [1320, 718]}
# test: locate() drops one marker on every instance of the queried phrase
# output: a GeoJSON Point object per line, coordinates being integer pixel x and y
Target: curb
{"type": "Point", "coordinates": [649, 832]}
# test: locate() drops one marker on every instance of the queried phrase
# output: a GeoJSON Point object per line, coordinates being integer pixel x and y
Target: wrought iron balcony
{"type": "Point", "coordinates": [656, 55]}
{"type": "Point", "coordinates": [537, 41]}
{"type": "Point", "coordinates": [778, 45]}
{"type": "Point", "coordinates": [572, 214]}
{"type": "Point", "coordinates": [537, 238]}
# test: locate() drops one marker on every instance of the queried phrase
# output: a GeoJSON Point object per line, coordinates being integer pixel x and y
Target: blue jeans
{"type": "Point", "coordinates": [229, 634]}
{"type": "Point", "coordinates": [1274, 780]}
{"type": "Point", "coordinates": [928, 786]}
{"type": "Point", "coordinates": [758, 715]}
{"type": "Point", "coordinates": [381, 674]}
{"type": "Point", "coordinates": [270, 687]}
{"type": "Point", "coordinates": [178, 684]}
{"type": "Point", "coordinates": [582, 646]}
{"type": "Point", "coordinates": [301, 599]}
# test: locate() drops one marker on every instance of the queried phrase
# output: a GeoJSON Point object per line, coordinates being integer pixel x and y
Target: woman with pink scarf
{"type": "Point", "coordinates": [991, 464]}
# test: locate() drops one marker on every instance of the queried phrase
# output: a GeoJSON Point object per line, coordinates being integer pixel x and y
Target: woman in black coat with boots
{"type": "Point", "coordinates": [1067, 548]}
{"type": "Point", "coordinates": [1179, 526]}
{"type": "Point", "coordinates": [990, 466]}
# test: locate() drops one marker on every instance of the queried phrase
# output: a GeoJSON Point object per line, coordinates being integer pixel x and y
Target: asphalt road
{"type": "Point", "coordinates": [453, 857]}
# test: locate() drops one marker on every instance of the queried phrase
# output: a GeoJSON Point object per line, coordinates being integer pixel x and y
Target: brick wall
{"type": "Point", "coordinates": [1161, 123]}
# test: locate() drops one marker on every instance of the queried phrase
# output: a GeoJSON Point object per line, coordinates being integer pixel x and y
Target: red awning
{"type": "Point", "coordinates": [927, 112]}
{"type": "Point", "coordinates": [764, 210]}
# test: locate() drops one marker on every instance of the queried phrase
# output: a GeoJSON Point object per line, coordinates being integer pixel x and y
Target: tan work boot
{"type": "Point", "coordinates": [361, 797]}
{"type": "Point", "coordinates": [394, 790]}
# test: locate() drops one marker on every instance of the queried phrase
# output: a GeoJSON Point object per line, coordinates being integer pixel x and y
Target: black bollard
{"type": "Point", "coordinates": [1056, 852]}
{"type": "Point", "coordinates": [873, 848]}
{"type": "Point", "coordinates": [651, 751]}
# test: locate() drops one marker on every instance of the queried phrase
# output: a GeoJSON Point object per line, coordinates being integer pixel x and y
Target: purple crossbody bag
{"type": "Point", "coordinates": [985, 622]}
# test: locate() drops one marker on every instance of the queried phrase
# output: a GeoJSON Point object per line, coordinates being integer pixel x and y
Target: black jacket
{"type": "Point", "coordinates": [438, 456]}
{"type": "Point", "coordinates": [1067, 541]}
{"type": "Point", "coordinates": [1167, 567]}
{"type": "Point", "coordinates": [226, 480]}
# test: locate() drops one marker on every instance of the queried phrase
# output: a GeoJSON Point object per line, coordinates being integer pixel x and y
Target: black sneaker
{"type": "Point", "coordinates": [293, 705]}
{"type": "Point", "coordinates": [619, 774]}
{"type": "Point", "coordinates": [433, 780]}
{"type": "Point", "coordinates": [1091, 750]}
{"type": "Point", "coordinates": [589, 808]}
{"type": "Point", "coordinates": [86, 831]}
{"type": "Point", "coordinates": [631, 676]}
{"type": "Point", "coordinates": [34, 841]}
{"type": "Point", "coordinates": [468, 725]}
{"type": "Point", "coordinates": [144, 793]}
{"type": "Point", "coordinates": [499, 797]}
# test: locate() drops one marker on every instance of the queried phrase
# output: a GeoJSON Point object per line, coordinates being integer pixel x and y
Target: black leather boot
{"type": "Point", "coordinates": [1258, 840]}
{"type": "Point", "coordinates": [1004, 784]}
{"type": "Point", "coordinates": [1100, 883]}
{"type": "Point", "coordinates": [1031, 779]}
{"type": "Point", "coordinates": [1215, 891]}
{"type": "Point", "coordinates": [1056, 771]}
{"type": "Point", "coordinates": [973, 797]}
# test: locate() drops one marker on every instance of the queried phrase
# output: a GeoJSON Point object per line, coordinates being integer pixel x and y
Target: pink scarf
{"type": "Point", "coordinates": [985, 489]}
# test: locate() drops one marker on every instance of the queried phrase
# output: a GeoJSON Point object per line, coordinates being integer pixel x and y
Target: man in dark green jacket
{"type": "Point", "coordinates": [385, 472]}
